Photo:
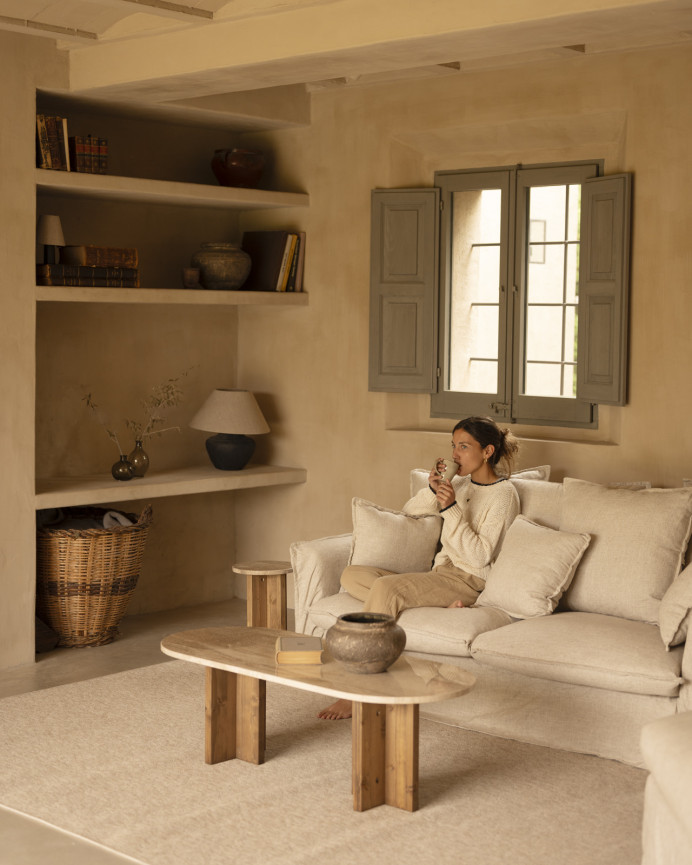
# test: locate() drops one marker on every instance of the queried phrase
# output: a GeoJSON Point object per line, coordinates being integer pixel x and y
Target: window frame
{"type": "Point", "coordinates": [509, 403]}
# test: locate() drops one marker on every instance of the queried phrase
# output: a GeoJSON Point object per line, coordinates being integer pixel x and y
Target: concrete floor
{"type": "Point", "coordinates": [26, 841]}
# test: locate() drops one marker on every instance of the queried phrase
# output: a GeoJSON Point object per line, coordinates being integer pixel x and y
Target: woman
{"type": "Point", "coordinates": [477, 507]}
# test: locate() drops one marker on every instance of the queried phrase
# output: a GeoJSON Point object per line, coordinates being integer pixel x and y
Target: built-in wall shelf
{"type": "Point", "coordinates": [140, 189]}
{"type": "Point", "coordinates": [100, 489]}
{"type": "Point", "coordinates": [75, 294]}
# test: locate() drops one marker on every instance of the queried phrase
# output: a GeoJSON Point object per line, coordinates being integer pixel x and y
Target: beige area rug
{"type": "Point", "coordinates": [119, 760]}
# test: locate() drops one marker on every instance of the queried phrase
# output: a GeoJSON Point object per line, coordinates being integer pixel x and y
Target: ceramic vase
{"type": "Point", "coordinates": [222, 266]}
{"type": "Point", "coordinates": [365, 642]}
{"type": "Point", "coordinates": [236, 167]}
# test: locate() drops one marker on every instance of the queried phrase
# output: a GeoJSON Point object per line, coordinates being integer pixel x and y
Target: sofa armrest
{"type": "Point", "coordinates": [317, 567]}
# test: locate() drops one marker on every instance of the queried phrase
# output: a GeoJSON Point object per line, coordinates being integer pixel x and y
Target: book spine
{"type": "Point", "coordinates": [103, 155]}
{"type": "Point", "coordinates": [301, 262]}
{"type": "Point", "coordinates": [285, 263]}
{"type": "Point", "coordinates": [76, 148]}
{"type": "Point", "coordinates": [53, 141]}
{"type": "Point", "coordinates": [291, 283]}
{"type": "Point", "coordinates": [43, 159]}
{"type": "Point", "coordinates": [65, 145]}
{"type": "Point", "coordinates": [94, 153]}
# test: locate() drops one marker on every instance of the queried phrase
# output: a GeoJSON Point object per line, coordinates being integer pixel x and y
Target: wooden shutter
{"type": "Point", "coordinates": [403, 290]}
{"type": "Point", "coordinates": [604, 289]}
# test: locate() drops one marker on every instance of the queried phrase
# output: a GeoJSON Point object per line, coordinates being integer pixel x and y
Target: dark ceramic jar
{"type": "Point", "coordinates": [365, 642]}
{"type": "Point", "coordinates": [236, 167]}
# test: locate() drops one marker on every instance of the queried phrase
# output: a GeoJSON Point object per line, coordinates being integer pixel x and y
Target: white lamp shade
{"type": "Point", "coordinates": [49, 230]}
{"type": "Point", "coordinates": [231, 411]}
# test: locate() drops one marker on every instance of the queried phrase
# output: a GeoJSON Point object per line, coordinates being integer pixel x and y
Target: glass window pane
{"type": "Point", "coordinates": [475, 291]}
{"type": "Point", "coordinates": [545, 280]}
{"type": "Point", "coordinates": [569, 381]}
{"type": "Point", "coordinates": [548, 204]}
{"type": "Point", "coordinates": [572, 273]}
{"type": "Point", "coordinates": [543, 379]}
{"type": "Point", "coordinates": [543, 334]}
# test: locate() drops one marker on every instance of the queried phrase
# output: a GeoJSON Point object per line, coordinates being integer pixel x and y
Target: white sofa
{"type": "Point", "coordinates": [667, 829]}
{"type": "Point", "coordinates": [586, 677]}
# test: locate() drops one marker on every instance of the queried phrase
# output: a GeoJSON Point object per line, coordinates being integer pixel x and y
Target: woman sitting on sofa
{"type": "Point", "coordinates": [477, 507]}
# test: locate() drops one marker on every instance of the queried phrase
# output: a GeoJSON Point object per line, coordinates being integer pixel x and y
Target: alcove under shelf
{"type": "Point", "coordinates": [191, 480]}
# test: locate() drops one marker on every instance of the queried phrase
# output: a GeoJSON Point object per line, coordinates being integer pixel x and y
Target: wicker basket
{"type": "Point", "coordinates": [86, 577]}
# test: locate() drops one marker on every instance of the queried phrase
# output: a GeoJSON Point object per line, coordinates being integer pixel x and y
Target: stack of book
{"type": "Point", "coordinates": [89, 153]}
{"type": "Point", "coordinates": [278, 259]}
{"type": "Point", "coordinates": [99, 266]}
{"type": "Point", "coordinates": [55, 149]}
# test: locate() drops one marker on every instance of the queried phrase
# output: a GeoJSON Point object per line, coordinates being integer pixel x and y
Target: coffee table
{"type": "Point", "coordinates": [240, 661]}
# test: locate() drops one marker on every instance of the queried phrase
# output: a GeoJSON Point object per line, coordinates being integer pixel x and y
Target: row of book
{"type": "Point", "coordinates": [57, 150]}
{"type": "Point", "coordinates": [87, 275]}
{"type": "Point", "coordinates": [278, 260]}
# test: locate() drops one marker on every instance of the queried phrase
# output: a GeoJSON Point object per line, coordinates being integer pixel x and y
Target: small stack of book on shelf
{"type": "Point", "coordinates": [278, 260]}
{"type": "Point", "coordinates": [89, 154]}
{"type": "Point", "coordinates": [57, 150]}
{"type": "Point", "coordinates": [98, 266]}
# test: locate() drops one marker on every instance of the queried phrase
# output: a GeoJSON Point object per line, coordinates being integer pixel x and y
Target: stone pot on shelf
{"type": "Point", "coordinates": [222, 266]}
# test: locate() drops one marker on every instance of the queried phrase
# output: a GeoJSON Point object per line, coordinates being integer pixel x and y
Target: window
{"type": "Point", "coordinates": [528, 305]}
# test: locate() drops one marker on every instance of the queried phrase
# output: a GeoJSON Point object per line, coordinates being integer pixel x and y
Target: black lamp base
{"type": "Point", "coordinates": [230, 452]}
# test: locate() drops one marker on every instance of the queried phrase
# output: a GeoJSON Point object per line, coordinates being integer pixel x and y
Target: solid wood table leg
{"type": "Point", "coordinates": [251, 719]}
{"type": "Point", "coordinates": [368, 733]}
{"type": "Point", "coordinates": [266, 601]}
{"type": "Point", "coordinates": [219, 715]}
{"type": "Point", "coordinates": [401, 756]}
{"type": "Point", "coordinates": [235, 717]}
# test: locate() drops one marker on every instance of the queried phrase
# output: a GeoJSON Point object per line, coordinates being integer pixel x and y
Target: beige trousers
{"type": "Point", "coordinates": [385, 592]}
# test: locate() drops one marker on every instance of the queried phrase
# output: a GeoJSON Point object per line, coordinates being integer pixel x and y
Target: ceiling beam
{"type": "Point", "coordinates": [53, 31]}
{"type": "Point", "coordinates": [163, 8]}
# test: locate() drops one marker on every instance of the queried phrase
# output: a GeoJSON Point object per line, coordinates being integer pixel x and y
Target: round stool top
{"type": "Point", "coordinates": [264, 569]}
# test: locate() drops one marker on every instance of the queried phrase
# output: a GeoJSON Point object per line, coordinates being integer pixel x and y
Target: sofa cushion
{"type": "Point", "coordinates": [638, 543]}
{"type": "Point", "coordinates": [585, 649]}
{"type": "Point", "coordinates": [532, 570]}
{"type": "Point", "coordinates": [435, 630]}
{"type": "Point", "coordinates": [675, 608]}
{"type": "Point", "coordinates": [398, 542]}
{"type": "Point", "coordinates": [540, 501]}
{"type": "Point", "coordinates": [419, 477]}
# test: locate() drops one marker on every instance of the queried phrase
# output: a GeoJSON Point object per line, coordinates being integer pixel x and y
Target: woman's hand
{"type": "Point", "coordinates": [445, 494]}
{"type": "Point", "coordinates": [435, 476]}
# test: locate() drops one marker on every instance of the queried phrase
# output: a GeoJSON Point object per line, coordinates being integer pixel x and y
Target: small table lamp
{"type": "Point", "coordinates": [49, 233]}
{"type": "Point", "coordinates": [233, 415]}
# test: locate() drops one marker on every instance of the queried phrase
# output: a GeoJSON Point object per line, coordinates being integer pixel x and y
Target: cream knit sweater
{"type": "Point", "coordinates": [474, 526]}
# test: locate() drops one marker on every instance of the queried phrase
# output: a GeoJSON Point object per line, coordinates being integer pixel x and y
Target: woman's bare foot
{"type": "Point", "coordinates": [338, 711]}
{"type": "Point", "coordinates": [455, 604]}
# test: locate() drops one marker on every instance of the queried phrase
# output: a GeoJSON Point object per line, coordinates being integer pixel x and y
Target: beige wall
{"type": "Point", "coordinates": [308, 365]}
{"type": "Point", "coordinates": [634, 111]}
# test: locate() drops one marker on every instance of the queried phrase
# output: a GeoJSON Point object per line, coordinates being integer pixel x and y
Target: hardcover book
{"type": "Point", "coordinates": [298, 650]}
{"type": "Point", "coordinates": [103, 256]}
{"type": "Point", "coordinates": [85, 275]}
{"type": "Point", "coordinates": [268, 251]}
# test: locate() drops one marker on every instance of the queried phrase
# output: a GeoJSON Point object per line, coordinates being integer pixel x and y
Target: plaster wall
{"type": "Point", "coordinates": [631, 109]}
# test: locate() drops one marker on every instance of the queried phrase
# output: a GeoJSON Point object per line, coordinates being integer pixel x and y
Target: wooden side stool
{"type": "Point", "coordinates": [266, 593]}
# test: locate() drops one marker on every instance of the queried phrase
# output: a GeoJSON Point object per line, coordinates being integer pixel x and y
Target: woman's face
{"type": "Point", "coordinates": [468, 452]}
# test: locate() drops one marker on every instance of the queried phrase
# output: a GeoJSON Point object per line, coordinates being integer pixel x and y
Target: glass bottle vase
{"type": "Point", "coordinates": [122, 470]}
{"type": "Point", "coordinates": [139, 459]}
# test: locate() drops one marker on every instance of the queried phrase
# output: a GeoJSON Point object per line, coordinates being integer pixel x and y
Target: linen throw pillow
{"type": "Point", "coordinates": [674, 609]}
{"type": "Point", "coordinates": [398, 542]}
{"type": "Point", "coordinates": [638, 543]}
{"type": "Point", "coordinates": [534, 567]}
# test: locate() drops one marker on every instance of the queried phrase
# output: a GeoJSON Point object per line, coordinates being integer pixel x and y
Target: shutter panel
{"type": "Point", "coordinates": [604, 289]}
{"type": "Point", "coordinates": [403, 290]}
